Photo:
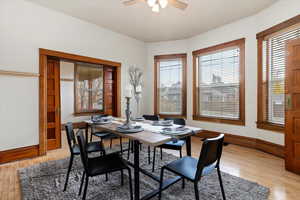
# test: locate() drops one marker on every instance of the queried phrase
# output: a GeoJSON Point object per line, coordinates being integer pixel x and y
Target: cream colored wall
{"type": "Point", "coordinates": [244, 28]}
{"type": "Point", "coordinates": [24, 28]}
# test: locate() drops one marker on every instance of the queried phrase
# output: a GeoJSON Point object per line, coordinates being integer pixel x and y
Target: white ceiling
{"type": "Point", "coordinates": [138, 21]}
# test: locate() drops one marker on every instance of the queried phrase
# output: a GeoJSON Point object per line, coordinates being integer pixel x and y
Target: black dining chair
{"type": "Point", "coordinates": [74, 148]}
{"type": "Point", "coordinates": [104, 135]}
{"type": "Point", "coordinates": [100, 165]}
{"type": "Point", "coordinates": [194, 169]}
{"type": "Point", "coordinates": [130, 144]}
{"type": "Point", "coordinates": [173, 145]}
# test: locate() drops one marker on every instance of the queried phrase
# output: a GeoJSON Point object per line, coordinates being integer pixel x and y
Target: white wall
{"type": "Point", "coordinates": [24, 28]}
{"type": "Point", "coordinates": [244, 28]}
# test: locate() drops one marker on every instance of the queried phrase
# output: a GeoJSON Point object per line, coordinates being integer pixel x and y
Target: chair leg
{"type": "Point", "coordinates": [141, 147]}
{"type": "Point", "coordinates": [81, 184]}
{"type": "Point", "coordinates": [221, 183]}
{"type": "Point", "coordinates": [196, 190]}
{"type": "Point", "coordinates": [106, 177]}
{"type": "Point", "coordinates": [183, 183]}
{"type": "Point", "coordinates": [180, 152]}
{"type": "Point", "coordinates": [161, 183]}
{"type": "Point", "coordinates": [161, 153]}
{"type": "Point", "coordinates": [128, 153]}
{"type": "Point", "coordinates": [111, 140]}
{"type": "Point", "coordinates": [91, 138]}
{"type": "Point", "coordinates": [149, 159]}
{"type": "Point", "coordinates": [85, 187]}
{"type": "Point", "coordinates": [68, 173]}
{"type": "Point", "coordinates": [130, 184]}
{"type": "Point", "coordinates": [122, 177]}
{"type": "Point", "coordinates": [153, 164]}
{"type": "Point", "coordinates": [121, 146]}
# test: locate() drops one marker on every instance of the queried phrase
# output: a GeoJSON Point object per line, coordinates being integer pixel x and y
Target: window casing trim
{"type": "Point", "coordinates": [261, 122]}
{"type": "Point", "coordinates": [157, 58]}
{"type": "Point", "coordinates": [196, 116]}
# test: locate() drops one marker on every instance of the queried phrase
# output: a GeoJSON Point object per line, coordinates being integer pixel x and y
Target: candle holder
{"type": "Point", "coordinates": [127, 126]}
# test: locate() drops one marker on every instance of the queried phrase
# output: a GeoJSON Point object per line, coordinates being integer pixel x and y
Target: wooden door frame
{"type": "Point", "coordinates": [43, 56]}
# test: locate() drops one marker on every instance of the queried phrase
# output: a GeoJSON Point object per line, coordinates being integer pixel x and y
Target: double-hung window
{"type": "Point", "coordinates": [219, 83]}
{"type": "Point", "coordinates": [170, 85]}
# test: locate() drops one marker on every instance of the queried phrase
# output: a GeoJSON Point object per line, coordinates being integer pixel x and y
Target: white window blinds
{"type": "Point", "coordinates": [218, 82]}
{"type": "Point", "coordinates": [274, 73]}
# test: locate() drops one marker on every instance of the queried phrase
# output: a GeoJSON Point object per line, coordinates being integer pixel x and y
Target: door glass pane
{"type": "Point", "coordinates": [89, 88]}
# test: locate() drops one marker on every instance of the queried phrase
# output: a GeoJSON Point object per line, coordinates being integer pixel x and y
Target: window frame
{"type": "Point", "coordinates": [157, 58]}
{"type": "Point", "coordinates": [196, 115]}
{"type": "Point", "coordinates": [89, 112]}
{"type": "Point", "coordinates": [262, 123]}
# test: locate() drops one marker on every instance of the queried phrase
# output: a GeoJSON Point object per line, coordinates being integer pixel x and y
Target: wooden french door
{"type": "Point", "coordinates": [53, 104]}
{"type": "Point", "coordinates": [292, 119]}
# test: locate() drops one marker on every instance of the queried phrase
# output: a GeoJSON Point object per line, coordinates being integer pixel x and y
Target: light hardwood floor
{"type": "Point", "coordinates": [243, 162]}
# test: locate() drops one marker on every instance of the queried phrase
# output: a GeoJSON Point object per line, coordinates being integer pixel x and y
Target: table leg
{"type": "Point", "coordinates": [188, 146]}
{"type": "Point", "coordinates": [136, 170]}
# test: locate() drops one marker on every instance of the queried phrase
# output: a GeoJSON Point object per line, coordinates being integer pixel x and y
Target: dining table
{"type": "Point", "coordinates": [151, 135]}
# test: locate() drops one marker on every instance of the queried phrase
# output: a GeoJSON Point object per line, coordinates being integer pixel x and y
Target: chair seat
{"type": "Point", "coordinates": [101, 134]}
{"type": "Point", "coordinates": [91, 147]}
{"type": "Point", "coordinates": [187, 167]}
{"type": "Point", "coordinates": [173, 145]}
{"type": "Point", "coordinates": [105, 164]}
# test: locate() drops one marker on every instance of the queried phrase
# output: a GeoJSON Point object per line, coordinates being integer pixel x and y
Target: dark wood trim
{"type": "Point", "coordinates": [196, 116]}
{"type": "Point", "coordinates": [183, 56]}
{"type": "Point", "coordinates": [19, 153]}
{"type": "Point", "coordinates": [43, 105]}
{"type": "Point", "coordinates": [219, 120]}
{"type": "Point", "coordinates": [217, 47]}
{"type": "Point", "coordinates": [268, 147]}
{"type": "Point", "coordinates": [262, 123]}
{"type": "Point", "coordinates": [43, 55]}
{"type": "Point", "coordinates": [279, 27]}
{"type": "Point", "coordinates": [271, 127]}
{"type": "Point", "coordinates": [79, 58]}
{"type": "Point", "coordinates": [67, 79]}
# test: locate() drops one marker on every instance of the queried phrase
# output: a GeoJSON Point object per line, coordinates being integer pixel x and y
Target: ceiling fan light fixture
{"type": "Point", "coordinates": [155, 8]}
{"type": "Point", "coordinates": [163, 3]}
{"type": "Point", "coordinates": [151, 3]}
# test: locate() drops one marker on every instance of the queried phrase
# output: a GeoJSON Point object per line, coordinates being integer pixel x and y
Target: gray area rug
{"type": "Point", "coordinates": [46, 181]}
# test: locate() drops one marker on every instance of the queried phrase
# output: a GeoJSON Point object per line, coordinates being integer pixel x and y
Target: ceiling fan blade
{"type": "Point", "coordinates": [130, 2]}
{"type": "Point", "coordinates": [178, 4]}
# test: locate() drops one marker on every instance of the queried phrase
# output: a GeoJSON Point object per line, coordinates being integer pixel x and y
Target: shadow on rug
{"type": "Point", "coordinates": [46, 181]}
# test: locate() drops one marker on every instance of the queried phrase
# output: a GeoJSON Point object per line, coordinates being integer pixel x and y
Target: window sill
{"type": "Point", "coordinates": [271, 127]}
{"type": "Point", "coordinates": [171, 116]}
{"type": "Point", "coordinates": [89, 113]}
{"type": "Point", "coordinates": [238, 122]}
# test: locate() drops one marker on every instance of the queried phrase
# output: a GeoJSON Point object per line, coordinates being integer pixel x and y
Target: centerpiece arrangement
{"type": "Point", "coordinates": [135, 76]}
{"type": "Point", "coordinates": [135, 79]}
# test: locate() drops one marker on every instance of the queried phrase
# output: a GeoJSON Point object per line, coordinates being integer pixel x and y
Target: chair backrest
{"type": "Point", "coordinates": [178, 121]}
{"type": "Point", "coordinates": [151, 117]}
{"type": "Point", "coordinates": [70, 135]}
{"type": "Point", "coordinates": [211, 153]}
{"type": "Point", "coordinates": [82, 146]}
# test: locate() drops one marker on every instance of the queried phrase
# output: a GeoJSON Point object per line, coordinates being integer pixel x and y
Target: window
{"type": "Point", "coordinates": [219, 83]}
{"type": "Point", "coordinates": [170, 85]}
{"type": "Point", "coordinates": [88, 88]}
{"type": "Point", "coordinates": [271, 73]}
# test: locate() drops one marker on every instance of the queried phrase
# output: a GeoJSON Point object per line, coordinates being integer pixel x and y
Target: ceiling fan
{"type": "Point", "coordinates": [157, 4]}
